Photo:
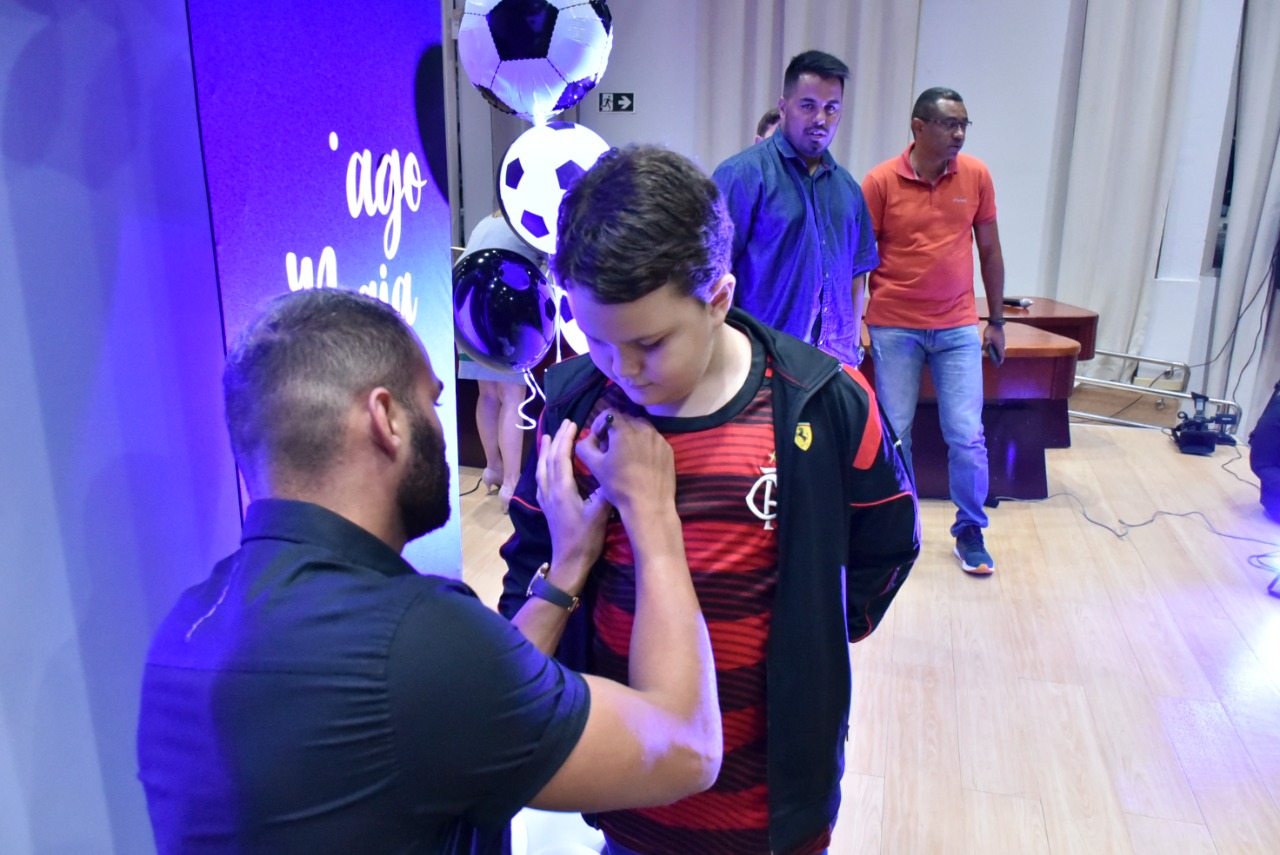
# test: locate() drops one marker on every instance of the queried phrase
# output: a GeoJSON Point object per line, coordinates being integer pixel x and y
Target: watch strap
{"type": "Point", "coordinates": [541, 587]}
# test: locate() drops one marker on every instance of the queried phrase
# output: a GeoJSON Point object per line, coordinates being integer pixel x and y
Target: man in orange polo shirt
{"type": "Point", "coordinates": [929, 205]}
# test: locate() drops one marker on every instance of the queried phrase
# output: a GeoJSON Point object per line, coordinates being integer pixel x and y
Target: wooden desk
{"type": "Point", "coordinates": [1061, 318]}
{"type": "Point", "coordinates": [1019, 413]}
{"type": "Point", "coordinates": [1065, 320]}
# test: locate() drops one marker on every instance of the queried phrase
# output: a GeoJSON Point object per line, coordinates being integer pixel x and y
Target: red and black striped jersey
{"type": "Point", "coordinates": [725, 496]}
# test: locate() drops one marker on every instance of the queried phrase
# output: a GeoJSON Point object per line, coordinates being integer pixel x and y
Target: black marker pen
{"type": "Point", "coordinates": [604, 432]}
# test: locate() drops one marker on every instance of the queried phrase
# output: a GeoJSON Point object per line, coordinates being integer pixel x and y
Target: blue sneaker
{"type": "Point", "coordinates": [973, 555]}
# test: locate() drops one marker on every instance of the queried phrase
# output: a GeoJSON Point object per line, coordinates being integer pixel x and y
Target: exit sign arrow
{"type": "Point", "coordinates": [617, 102]}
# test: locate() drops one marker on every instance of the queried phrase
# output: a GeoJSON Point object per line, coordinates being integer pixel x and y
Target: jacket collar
{"type": "Point", "coordinates": [798, 364]}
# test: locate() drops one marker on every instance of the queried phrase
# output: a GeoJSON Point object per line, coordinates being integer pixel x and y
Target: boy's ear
{"type": "Point", "coordinates": [721, 297]}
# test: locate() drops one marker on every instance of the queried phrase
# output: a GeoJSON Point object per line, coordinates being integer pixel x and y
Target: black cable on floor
{"type": "Point", "coordinates": [1257, 561]}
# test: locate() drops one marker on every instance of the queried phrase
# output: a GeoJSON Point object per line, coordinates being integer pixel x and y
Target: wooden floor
{"type": "Point", "coordinates": [1098, 694]}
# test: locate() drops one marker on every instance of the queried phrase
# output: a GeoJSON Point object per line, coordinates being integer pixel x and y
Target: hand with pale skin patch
{"type": "Point", "coordinates": [576, 524]}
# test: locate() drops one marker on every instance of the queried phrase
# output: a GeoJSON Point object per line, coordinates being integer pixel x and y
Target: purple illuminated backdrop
{"type": "Point", "coordinates": [323, 134]}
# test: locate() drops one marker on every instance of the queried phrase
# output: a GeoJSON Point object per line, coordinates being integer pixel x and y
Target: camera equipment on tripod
{"type": "Point", "coordinates": [1201, 434]}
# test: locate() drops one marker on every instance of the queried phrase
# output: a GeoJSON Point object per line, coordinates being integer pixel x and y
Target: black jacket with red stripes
{"type": "Point", "coordinates": [848, 533]}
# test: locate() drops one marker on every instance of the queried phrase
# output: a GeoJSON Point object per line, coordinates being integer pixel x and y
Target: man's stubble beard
{"type": "Point", "coordinates": [423, 495]}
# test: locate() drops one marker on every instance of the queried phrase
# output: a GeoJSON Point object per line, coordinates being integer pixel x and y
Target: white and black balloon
{"type": "Point", "coordinates": [539, 167]}
{"type": "Point", "coordinates": [535, 58]}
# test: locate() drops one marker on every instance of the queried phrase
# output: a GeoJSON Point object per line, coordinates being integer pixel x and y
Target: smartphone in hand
{"type": "Point", "coordinates": [997, 359]}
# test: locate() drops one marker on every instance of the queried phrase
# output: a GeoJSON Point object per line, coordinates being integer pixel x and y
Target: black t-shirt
{"type": "Point", "coordinates": [316, 695]}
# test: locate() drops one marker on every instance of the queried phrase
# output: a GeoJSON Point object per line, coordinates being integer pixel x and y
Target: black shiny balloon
{"type": "Point", "coordinates": [504, 314]}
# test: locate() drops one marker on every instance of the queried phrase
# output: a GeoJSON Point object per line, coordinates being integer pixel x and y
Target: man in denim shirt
{"type": "Point", "coordinates": [803, 241]}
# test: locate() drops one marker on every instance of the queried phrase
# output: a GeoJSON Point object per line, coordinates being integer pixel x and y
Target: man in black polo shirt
{"type": "Point", "coordinates": [316, 694]}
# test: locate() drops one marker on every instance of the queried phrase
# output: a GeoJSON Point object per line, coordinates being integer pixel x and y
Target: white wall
{"type": "Point", "coordinates": [118, 485]}
{"type": "Point", "coordinates": [655, 50]}
{"type": "Point", "coordinates": [1016, 66]}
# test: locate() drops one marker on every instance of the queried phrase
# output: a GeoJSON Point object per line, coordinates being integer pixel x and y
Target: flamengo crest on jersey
{"type": "Point", "coordinates": [760, 500]}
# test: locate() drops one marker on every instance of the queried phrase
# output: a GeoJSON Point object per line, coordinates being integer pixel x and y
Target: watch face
{"type": "Point", "coordinates": [540, 573]}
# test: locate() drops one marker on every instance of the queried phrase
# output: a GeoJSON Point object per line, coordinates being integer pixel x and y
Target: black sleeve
{"type": "Point", "coordinates": [530, 543]}
{"type": "Point", "coordinates": [528, 548]}
{"type": "Point", "coordinates": [884, 521]}
{"type": "Point", "coordinates": [482, 720]}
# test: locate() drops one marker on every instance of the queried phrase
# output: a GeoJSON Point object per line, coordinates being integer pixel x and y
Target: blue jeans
{"type": "Point", "coordinates": [955, 361]}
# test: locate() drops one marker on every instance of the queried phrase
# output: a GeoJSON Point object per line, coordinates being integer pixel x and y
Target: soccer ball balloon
{"type": "Point", "coordinates": [535, 58]}
{"type": "Point", "coordinates": [539, 167]}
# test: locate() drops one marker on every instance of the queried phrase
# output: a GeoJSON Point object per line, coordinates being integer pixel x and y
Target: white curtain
{"type": "Point", "coordinates": [1241, 373]}
{"type": "Point", "coordinates": [747, 45]}
{"type": "Point", "coordinates": [1133, 81]}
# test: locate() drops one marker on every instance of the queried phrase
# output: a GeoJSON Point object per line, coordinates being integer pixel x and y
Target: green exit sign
{"type": "Point", "coordinates": [617, 102]}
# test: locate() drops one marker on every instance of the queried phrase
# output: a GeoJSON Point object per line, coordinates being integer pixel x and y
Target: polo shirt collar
{"type": "Point", "coordinates": [788, 150]}
{"type": "Point", "coordinates": [304, 522]}
{"type": "Point", "coordinates": [907, 171]}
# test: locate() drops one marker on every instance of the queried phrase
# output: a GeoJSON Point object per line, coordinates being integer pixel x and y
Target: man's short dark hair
{"type": "Point", "coordinates": [770, 118]}
{"type": "Point", "coordinates": [824, 65]}
{"type": "Point", "coordinates": [294, 372]}
{"type": "Point", "coordinates": [926, 107]}
{"type": "Point", "coordinates": [641, 217]}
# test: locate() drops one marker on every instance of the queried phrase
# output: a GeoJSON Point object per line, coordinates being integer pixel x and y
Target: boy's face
{"type": "Point", "coordinates": [657, 348]}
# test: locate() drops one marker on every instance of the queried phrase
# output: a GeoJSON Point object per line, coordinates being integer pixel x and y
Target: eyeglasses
{"type": "Point", "coordinates": [951, 125]}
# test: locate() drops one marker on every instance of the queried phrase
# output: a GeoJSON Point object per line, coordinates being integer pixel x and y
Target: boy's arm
{"type": "Point", "coordinates": [884, 522]}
